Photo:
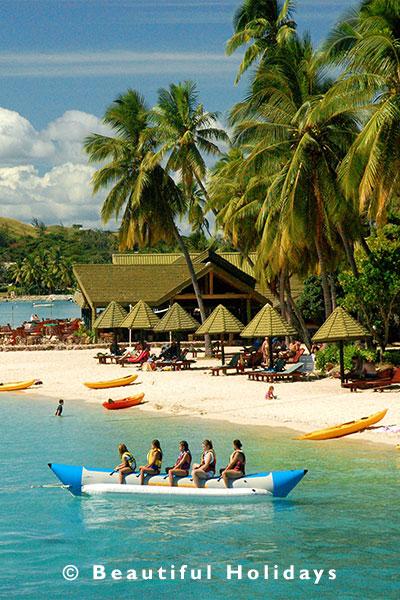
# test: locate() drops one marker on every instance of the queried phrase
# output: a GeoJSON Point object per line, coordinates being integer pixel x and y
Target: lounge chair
{"type": "Point", "coordinates": [384, 380]}
{"type": "Point", "coordinates": [233, 364]}
{"type": "Point", "coordinates": [295, 359]}
{"type": "Point", "coordinates": [106, 358]}
{"type": "Point", "coordinates": [257, 374]}
{"type": "Point", "coordinates": [134, 360]}
{"type": "Point", "coordinates": [293, 372]}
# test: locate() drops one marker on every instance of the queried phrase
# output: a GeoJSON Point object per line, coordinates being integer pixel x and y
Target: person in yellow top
{"type": "Point", "coordinates": [154, 461]}
{"type": "Point", "coordinates": [206, 468]}
{"type": "Point", "coordinates": [128, 464]}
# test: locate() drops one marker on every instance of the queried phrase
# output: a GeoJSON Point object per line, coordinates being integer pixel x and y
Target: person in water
{"type": "Point", "coordinates": [206, 468]}
{"type": "Point", "coordinates": [128, 464]}
{"type": "Point", "coordinates": [154, 461]}
{"type": "Point", "coordinates": [59, 408]}
{"type": "Point", "coordinates": [237, 464]}
{"type": "Point", "coordinates": [182, 465]}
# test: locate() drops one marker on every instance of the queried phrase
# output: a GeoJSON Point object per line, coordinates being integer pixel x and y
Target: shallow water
{"type": "Point", "coordinates": [15, 313]}
{"type": "Point", "coordinates": [343, 516]}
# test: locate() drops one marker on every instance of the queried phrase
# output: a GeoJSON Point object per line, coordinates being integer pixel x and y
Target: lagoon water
{"type": "Point", "coordinates": [343, 516]}
{"type": "Point", "coordinates": [15, 313]}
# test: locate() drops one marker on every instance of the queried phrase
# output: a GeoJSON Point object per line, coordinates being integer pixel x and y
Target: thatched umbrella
{"type": "Point", "coordinates": [268, 323]}
{"type": "Point", "coordinates": [177, 319]}
{"type": "Point", "coordinates": [111, 318]}
{"type": "Point", "coordinates": [340, 327]}
{"type": "Point", "coordinates": [220, 321]}
{"type": "Point", "coordinates": [141, 317]}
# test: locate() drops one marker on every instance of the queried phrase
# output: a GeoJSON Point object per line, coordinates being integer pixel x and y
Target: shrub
{"type": "Point", "coordinates": [331, 355]}
{"type": "Point", "coordinates": [392, 356]}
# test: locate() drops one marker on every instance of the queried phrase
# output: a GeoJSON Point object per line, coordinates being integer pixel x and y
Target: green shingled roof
{"type": "Point", "coordinates": [340, 326]}
{"type": "Point", "coordinates": [141, 317]}
{"type": "Point", "coordinates": [221, 320]}
{"type": "Point", "coordinates": [111, 317]}
{"type": "Point", "coordinates": [268, 322]}
{"type": "Point", "coordinates": [177, 319]}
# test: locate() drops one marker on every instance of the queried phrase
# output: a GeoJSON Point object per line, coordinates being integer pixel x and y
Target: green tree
{"type": "Point", "coordinates": [141, 189]}
{"type": "Point", "coordinates": [264, 25]}
{"type": "Point", "coordinates": [366, 43]}
{"type": "Point", "coordinates": [376, 292]}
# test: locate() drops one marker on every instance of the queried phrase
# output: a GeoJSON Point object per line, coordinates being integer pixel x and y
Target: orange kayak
{"type": "Point", "coordinates": [101, 385]}
{"type": "Point", "coordinates": [344, 428]}
{"type": "Point", "coordinates": [124, 403]}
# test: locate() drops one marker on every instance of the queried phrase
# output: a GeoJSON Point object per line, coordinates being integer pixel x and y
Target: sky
{"type": "Point", "coordinates": [62, 62]}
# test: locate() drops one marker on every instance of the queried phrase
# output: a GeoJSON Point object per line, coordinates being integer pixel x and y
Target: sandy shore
{"type": "Point", "coordinates": [303, 406]}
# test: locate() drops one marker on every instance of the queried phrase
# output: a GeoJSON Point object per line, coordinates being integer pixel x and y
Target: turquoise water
{"type": "Point", "coordinates": [343, 516]}
{"type": "Point", "coordinates": [15, 313]}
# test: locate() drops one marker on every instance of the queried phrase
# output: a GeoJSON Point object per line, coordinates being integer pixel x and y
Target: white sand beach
{"type": "Point", "coordinates": [303, 406]}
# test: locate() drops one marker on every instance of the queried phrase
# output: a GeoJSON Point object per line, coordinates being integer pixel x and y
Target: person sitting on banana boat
{"type": "Point", "coordinates": [206, 468]}
{"type": "Point", "coordinates": [128, 464]}
{"type": "Point", "coordinates": [237, 464]}
{"type": "Point", "coordinates": [182, 465]}
{"type": "Point", "coordinates": [154, 461]}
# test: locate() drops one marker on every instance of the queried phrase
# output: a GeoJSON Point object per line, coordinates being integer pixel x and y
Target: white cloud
{"type": "Point", "coordinates": [62, 194]}
{"type": "Point", "coordinates": [19, 140]}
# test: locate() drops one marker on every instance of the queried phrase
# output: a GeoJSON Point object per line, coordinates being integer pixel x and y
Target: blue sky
{"type": "Point", "coordinates": [62, 62]}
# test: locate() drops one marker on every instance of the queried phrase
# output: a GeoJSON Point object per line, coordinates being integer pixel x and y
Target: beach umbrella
{"type": "Point", "coordinates": [340, 327]}
{"type": "Point", "coordinates": [268, 323]}
{"type": "Point", "coordinates": [141, 317]}
{"type": "Point", "coordinates": [220, 321]}
{"type": "Point", "coordinates": [177, 319]}
{"type": "Point", "coordinates": [111, 318]}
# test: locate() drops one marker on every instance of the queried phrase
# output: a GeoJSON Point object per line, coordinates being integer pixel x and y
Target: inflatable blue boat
{"type": "Point", "coordinates": [82, 480]}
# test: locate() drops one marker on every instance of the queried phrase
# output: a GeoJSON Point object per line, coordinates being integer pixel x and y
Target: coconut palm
{"type": "Point", "coordinates": [142, 190]}
{"type": "Point", "coordinates": [265, 23]}
{"type": "Point", "coordinates": [186, 132]}
{"type": "Point", "coordinates": [366, 42]}
{"type": "Point", "coordinates": [296, 146]}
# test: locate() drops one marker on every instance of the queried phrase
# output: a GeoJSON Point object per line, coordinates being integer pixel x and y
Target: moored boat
{"type": "Point", "coordinates": [124, 402]}
{"type": "Point", "coordinates": [344, 428]}
{"type": "Point", "coordinates": [18, 385]}
{"type": "Point", "coordinates": [101, 385]}
{"type": "Point", "coordinates": [87, 481]}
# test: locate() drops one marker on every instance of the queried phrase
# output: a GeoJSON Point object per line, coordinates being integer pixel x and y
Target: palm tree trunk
{"type": "Point", "coordinates": [196, 287]}
{"type": "Point", "coordinates": [299, 316]}
{"type": "Point", "coordinates": [333, 290]}
{"type": "Point", "coordinates": [324, 279]}
{"type": "Point", "coordinates": [348, 247]}
{"type": "Point", "coordinates": [365, 246]}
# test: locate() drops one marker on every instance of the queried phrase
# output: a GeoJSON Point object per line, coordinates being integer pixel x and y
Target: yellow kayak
{"type": "Point", "coordinates": [101, 385]}
{"type": "Point", "coordinates": [345, 428]}
{"type": "Point", "coordinates": [18, 385]}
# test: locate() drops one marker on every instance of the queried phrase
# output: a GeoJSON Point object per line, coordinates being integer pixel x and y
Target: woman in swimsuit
{"type": "Point", "coordinates": [182, 465]}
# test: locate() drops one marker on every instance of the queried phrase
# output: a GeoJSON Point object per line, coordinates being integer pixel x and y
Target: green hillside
{"type": "Point", "coordinates": [17, 228]}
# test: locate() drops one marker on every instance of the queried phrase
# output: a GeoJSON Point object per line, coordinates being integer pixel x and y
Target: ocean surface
{"type": "Point", "coordinates": [15, 313]}
{"type": "Point", "coordinates": [341, 520]}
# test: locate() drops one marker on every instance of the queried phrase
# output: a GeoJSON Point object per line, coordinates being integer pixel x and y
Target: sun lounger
{"type": "Point", "coordinates": [106, 358]}
{"type": "Point", "coordinates": [176, 365]}
{"type": "Point", "coordinates": [137, 360]}
{"type": "Point", "coordinates": [292, 372]}
{"type": "Point", "coordinates": [234, 364]}
{"type": "Point", "coordinates": [385, 379]}
{"type": "Point", "coordinates": [295, 359]}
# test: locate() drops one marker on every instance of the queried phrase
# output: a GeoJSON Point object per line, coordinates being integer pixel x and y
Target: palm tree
{"type": "Point", "coordinates": [186, 132]}
{"type": "Point", "coordinates": [266, 23]}
{"type": "Point", "coordinates": [142, 191]}
{"type": "Point", "coordinates": [296, 146]}
{"type": "Point", "coordinates": [366, 42]}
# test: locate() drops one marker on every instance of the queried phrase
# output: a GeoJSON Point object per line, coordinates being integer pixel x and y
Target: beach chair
{"type": "Point", "coordinates": [106, 358]}
{"type": "Point", "coordinates": [257, 375]}
{"type": "Point", "coordinates": [233, 364]}
{"type": "Point", "coordinates": [134, 360]}
{"type": "Point", "coordinates": [293, 372]}
{"type": "Point", "coordinates": [384, 380]}
{"type": "Point", "coordinates": [295, 359]}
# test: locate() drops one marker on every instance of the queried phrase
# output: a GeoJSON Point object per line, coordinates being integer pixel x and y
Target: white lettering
{"type": "Point", "coordinates": [304, 574]}
{"type": "Point", "coordinates": [147, 574]}
{"type": "Point", "coordinates": [172, 571]}
{"type": "Point", "coordinates": [318, 575]}
{"type": "Point", "coordinates": [276, 572]}
{"type": "Point", "coordinates": [116, 574]}
{"type": "Point", "coordinates": [231, 571]}
{"type": "Point", "coordinates": [161, 572]}
{"type": "Point", "coordinates": [289, 573]}
{"type": "Point", "coordinates": [99, 572]}
{"type": "Point", "coordinates": [195, 573]}
{"type": "Point", "coordinates": [208, 571]}
{"type": "Point", "coordinates": [332, 573]}
{"type": "Point", "coordinates": [182, 571]}
{"type": "Point", "coordinates": [131, 574]}
{"type": "Point", "coordinates": [253, 574]}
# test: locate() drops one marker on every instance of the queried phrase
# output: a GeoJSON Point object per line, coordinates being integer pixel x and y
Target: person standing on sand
{"type": "Point", "coordinates": [59, 408]}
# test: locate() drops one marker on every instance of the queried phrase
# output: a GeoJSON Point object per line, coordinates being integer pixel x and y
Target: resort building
{"type": "Point", "coordinates": [162, 279]}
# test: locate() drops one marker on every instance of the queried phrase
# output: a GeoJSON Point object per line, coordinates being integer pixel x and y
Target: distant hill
{"type": "Point", "coordinates": [17, 227]}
